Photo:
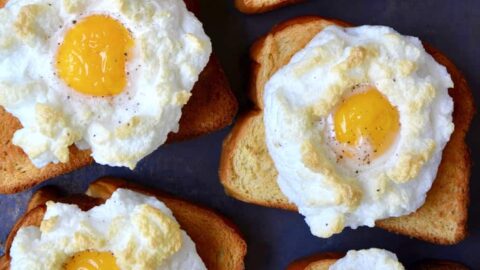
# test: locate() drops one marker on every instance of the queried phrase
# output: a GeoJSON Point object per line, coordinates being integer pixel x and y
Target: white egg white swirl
{"type": "Point", "coordinates": [299, 98]}
{"type": "Point", "coordinates": [171, 49]}
{"type": "Point", "coordinates": [368, 259]}
{"type": "Point", "coordinates": [120, 226]}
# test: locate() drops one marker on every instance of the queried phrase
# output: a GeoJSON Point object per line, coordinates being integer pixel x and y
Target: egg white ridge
{"type": "Point", "coordinates": [163, 67]}
{"type": "Point", "coordinates": [34, 249]}
{"type": "Point", "coordinates": [288, 95]}
{"type": "Point", "coordinates": [368, 259]}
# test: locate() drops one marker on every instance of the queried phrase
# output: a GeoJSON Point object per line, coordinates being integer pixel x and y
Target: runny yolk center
{"type": "Point", "coordinates": [93, 56]}
{"type": "Point", "coordinates": [92, 260]}
{"type": "Point", "coordinates": [367, 116]}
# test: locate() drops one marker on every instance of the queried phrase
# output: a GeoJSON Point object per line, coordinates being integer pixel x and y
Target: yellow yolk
{"type": "Point", "coordinates": [367, 115]}
{"type": "Point", "coordinates": [93, 56]}
{"type": "Point", "coordinates": [92, 260]}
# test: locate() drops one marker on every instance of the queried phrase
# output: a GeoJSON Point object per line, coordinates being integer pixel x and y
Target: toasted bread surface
{"type": "Point", "coordinates": [212, 107]}
{"type": "Point", "coordinates": [316, 262]}
{"type": "Point", "coordinates": [275, 50]}
{"type": "Point", "coordinates": [42, 196]}
{"type": "Point", "coordinates": [323, 261]}
{"type": "Point", "coordinates": [248, 172]}
{"type": "Point", "coordinates": [246, 169]}
{"type": "Point", "coordinates": [259, 6]}
{"type": "Point", "coordinates": [218, 241]}
{"type": "Point", "coordinates": [443, 217]}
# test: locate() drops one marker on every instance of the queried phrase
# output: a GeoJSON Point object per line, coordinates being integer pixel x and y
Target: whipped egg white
{"type": "Point", "coordinates": [111, 76]}
{"type": "Point", "coordinates": [128, 231]}
{"type": "Point", "coordinates": [356, 124]}
{"type": "Point", "coordinates": [368, 259]}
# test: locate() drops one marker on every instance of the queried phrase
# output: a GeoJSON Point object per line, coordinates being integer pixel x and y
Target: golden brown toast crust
{"type": "Point", "coordinates": [445, 211]}
{"type": "Point", "coordinates": [325, 260]}
{"type": "Point", "coordinates": [218, 241]}
{"type": "Point", "coordinates": [267, 192]}
{"type": "Point", "coordinates": [273, 51]}
{"type": "Point", "coordinates": [318, 261]}
{"type": "Point", "coordinates": [259, 6]}
{"type": "Point", "coordinates": [212, 107]}
{"type": "Point", "coordinates": [449, 195]}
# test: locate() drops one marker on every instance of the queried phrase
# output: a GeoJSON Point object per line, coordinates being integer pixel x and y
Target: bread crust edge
{"type": "Point", "coordinates": [37, 208]}
{"type": "Point", "coordinates": [246, 6]}
{"type": "Point", "coordinates": [238, 130]}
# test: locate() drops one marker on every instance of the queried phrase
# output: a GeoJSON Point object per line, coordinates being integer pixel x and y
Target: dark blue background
{"type": "Point", "coordinates": [275, 237]}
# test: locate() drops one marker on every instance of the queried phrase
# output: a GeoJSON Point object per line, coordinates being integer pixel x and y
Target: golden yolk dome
{"type": "Point", "coordinates": [93, 56]}
{"type": "Point", "coordinates": [367, 115]}
{"type": "Point", "coordinates": [92, 260]}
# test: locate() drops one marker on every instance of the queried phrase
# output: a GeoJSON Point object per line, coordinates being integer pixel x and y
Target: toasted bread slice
{"type": "Point", "coordinates": [218, 241]}
{"type": "Point", "coordinates": [212, 107]}
{"type": "Point", "coordinates": [325, 260]}
{"type": "Point", "coordinates": [259, 6]}
{"type": "Point", "coordinates": [248, 173]}
{"type": "Point", "coordinates": [316, 262]}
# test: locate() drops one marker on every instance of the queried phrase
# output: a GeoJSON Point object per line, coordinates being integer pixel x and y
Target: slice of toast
{"type": "Point", "coordinates": [217, 240]}
{"type": "Point", "coordinates": [259, 6]}
{"type": "Point", "coordinates": [212, 107]}
{"type": "Point", "coordinates": [248, 173]}
{"type": "Point", "coordinates": [323, 261]}
{"type": "Point", "coordinates": [316, 262]}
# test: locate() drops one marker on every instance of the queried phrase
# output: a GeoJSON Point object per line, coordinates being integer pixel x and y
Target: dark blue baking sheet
{"type": "Point", "coordinates": [276, 237]}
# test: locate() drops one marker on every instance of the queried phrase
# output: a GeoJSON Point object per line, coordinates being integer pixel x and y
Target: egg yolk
{"type": "Point", "coordinates": [367, 115]}
{"type": "Point", "coordinates": [92, 260]}
{"type": "Point", "coordinates": [93, 56]}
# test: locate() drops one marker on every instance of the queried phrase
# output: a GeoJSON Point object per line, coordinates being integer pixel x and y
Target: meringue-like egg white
{"type": "Point", "coordinates": [128, 231]}
{"type": "Point", "coordinates": [356, 124]}
{"type": "Point", "coordinates": [368, 259]}
{"type": "Point", "coordinates": [111, 76]}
